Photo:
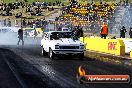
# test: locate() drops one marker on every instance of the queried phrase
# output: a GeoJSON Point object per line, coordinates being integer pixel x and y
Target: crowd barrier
{"type": "Point", "coordinates": [128, 44]}
{"type": "Point", "coordinates": [130, 54]}
{"type": "Point", "coordinates": [110, 46]}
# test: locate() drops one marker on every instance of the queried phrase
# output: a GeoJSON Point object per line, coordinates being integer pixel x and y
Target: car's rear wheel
{"type": "Point", "coordinates": [43, 52]}
{"type": "Point", "coordinates": [81, 56]}
{"type": "Point", "coordinates": [51, 54]}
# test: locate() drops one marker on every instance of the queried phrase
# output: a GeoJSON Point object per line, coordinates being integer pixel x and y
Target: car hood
{"type": "Point", "coordinates": [66, 41]}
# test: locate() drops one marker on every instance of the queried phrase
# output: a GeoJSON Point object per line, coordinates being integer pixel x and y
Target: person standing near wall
{"type": "Point", "coordinates": [130, 32]}
{"type": "Point", "coordinates": [104, 30]}
{"type": "Point", "coordinates": [20, 36]}
{"type": "Point", "coordinates": [122, 32]}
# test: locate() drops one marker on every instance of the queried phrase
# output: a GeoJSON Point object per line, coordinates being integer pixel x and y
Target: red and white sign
{"type": "Point", "coordinates": [112, 45]}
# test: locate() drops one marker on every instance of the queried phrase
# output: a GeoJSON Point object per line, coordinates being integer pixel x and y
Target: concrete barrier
{"type": "Point", "coordinates": [110, 46]}
{"type": "Point", "coordinates": [130, 54]}
{"type": "Point", "coordinates": [128, 44]}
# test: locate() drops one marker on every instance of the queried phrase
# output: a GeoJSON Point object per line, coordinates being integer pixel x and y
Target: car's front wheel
{"type": "Point", "coordinates": [43, 52]}
{"type": "Point", "coordinates": [51, 54]}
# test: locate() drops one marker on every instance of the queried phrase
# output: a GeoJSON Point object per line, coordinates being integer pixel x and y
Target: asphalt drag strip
{"type": "Point", "coordinates": [7, 77]}
{"type": "Point", "coordinates": [32, 76]}
{"type": "Point", "coordinates": [42, 72]}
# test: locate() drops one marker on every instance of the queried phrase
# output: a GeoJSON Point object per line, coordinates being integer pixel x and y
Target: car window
{"type": "Point", "coordinates": [54, 35]}
{"type": "Point", "coordinates": [58, 35]}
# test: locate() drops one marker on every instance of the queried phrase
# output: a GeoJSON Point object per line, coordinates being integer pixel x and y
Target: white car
{"type": "Point", "coordinates": [61, 43]}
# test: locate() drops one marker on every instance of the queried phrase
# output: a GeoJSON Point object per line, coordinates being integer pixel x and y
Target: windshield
{"type": "Point", "coordinates": [58, 35]}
